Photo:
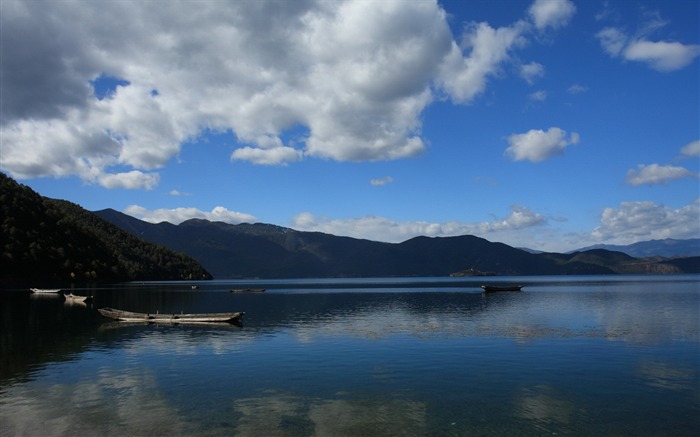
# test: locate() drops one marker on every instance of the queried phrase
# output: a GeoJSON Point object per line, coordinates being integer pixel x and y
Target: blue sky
{"type": "Point", "coordinates": [552, 124]}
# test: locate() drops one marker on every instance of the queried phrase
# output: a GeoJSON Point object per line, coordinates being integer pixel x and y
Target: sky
{"type": "Point", "coordinates": [551, 125]}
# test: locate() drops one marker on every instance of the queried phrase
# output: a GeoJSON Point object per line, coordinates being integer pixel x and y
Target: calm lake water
{"type": "Point", "coordinates": [613, 355]}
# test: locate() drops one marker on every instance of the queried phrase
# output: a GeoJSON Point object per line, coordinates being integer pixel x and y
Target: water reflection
{"type": "Point", "coordinates": [283, 415]}
{"type": "Point", "coordinates": [136, 407]}
{"type": "Point", "coordinates": [667, 376]}
{"type": "Point", "coordinates": [545, 409]}
{"type": "Point", "coordinates": [597, 361]}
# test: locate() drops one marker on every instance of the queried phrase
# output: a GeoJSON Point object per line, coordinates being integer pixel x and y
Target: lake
{"type": "Point", "coordinates": [572, 356]}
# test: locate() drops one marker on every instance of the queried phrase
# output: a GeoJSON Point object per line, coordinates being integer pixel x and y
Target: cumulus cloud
{"type": "Point", "coordinates": [130, 180]}
{"type": "Point", "coordinates": [638, 221]}
{"type": "Point", "coordinates": [179, 215]}
{"type": "Point", "coordinates": [267, 156]}
{"type": "Point", "coordinates": [125, 84]}
{"type": "Point", "coordinates": [463, 78]}
{"type": "Point", "coordinates": [384, 229]}
{"type": "Point", "coordinates": [537, 145]}
{"type": "Point", "coordinates": [521, 217]}
{"type": "Point", "coordinates": [655, 174]}
{"type": "Point", "coordinates": [662, 55]}
{"type": "Point", "coordinates": [551, 13]}
{"type": "Point", "coordinates": [378, 182]}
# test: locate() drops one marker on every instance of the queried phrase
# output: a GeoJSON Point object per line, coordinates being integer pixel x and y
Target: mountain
{"type": "Point", "coordinates": [668, 248]}
{"type": "Point", "coordinates": [269, 251]}
{"type": "Point", "coordinates": [51, 241]}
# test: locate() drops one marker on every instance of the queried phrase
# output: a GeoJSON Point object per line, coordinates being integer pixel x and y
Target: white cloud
{"type": "Point", "coordinates": [539, 96]}
{"type": "Point", "coordinates": [655, 174]}
{"type": "Point", "coordinates": [179, 215]}
{"type": "Point", "coordinates": [613, 40]}
{"type": "Point", "coordinates": [378, 182]}
{"type": "Point", "coordinates": [356, 75]}
{"type": "Point", "coordinates": [662, 56]}
{"type": "Point", "coordinates": [691, 149]}
{"type": "Point", "coordinates": [520, 217]}
{"type": "Point", "coordinates": [537, 145]}
{"type": "Point", "coordinates": [639, 221]}
{"type": "Point", "coordinates": [384, 229]}
{"type": "Point", "coordinates": [531, 71]}
{"type": "Point", "coordinates": [607, 12]}
{"type": "Point", "coordinates": [130, 180]}
{"type": "Point", "coordinates": [576, 89]}
{"type": "Point", "coordinates": [464, 78]}
{"type": "Point", "coordinates": [273, 156]}
{"type": "Point", "coordinates": [551, 13]}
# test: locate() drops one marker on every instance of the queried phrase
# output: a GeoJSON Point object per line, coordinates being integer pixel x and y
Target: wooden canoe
{"type": "Point", "coordinates": [128, 316]}
{"type": "Point", "coordinates": [45, 290]}
{"type": "Point", "coordinates": [76, 298]}
{"type": "Point", "coordinates": [494, 288]}
{"type": "Point", "coordinates": [247, 290]}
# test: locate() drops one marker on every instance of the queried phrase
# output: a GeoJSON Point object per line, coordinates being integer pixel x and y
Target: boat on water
{"type": "Point", "coordinates": [128, 316]}
{"type": "Point", "coordinates": [247, 290]}
{"type": "Point", "coordinates": [76, 298]}
{"type": "Point", "coordinates": [45, 290]}
{"type": "Point", "coordinates": [495, 288]}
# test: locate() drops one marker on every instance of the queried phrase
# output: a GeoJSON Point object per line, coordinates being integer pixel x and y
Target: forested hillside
{"type": "Point", "coordinates": [48, 241]}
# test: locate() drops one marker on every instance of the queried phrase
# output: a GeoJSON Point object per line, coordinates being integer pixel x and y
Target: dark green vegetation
{"type": "Point", "coordinates": [267, 251]}
{"type": "Point", "coordinates": [48, 241]}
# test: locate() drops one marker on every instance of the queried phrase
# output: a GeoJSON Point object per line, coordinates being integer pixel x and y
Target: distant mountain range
{"type": "Point", "coordinates": [269, 251]}
{"type": "Point", "coordinates": [668, 248]}
{"type": "Point", "coordinates": [54, 241]}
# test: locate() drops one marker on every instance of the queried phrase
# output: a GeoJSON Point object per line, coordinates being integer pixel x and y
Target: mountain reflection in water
{"type": "Point", "coordinates": [568, 356]}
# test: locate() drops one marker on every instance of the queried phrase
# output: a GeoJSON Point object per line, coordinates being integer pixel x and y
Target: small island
{"type": "Point", "coordinates": [471, 272]}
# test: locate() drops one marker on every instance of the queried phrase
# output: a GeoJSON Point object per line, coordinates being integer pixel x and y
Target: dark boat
{"type": "Point", "coordinates": [128, 316]}
{"type": "Point", "coordinates": [247, 290]}
{"type": "Point", "coordinates": [494, 288]}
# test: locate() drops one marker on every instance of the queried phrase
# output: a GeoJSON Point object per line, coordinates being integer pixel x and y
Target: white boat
{"type": "Point", "coordinates": [75, 298]}
{"type": "Point", "coordinates": [45, 290]}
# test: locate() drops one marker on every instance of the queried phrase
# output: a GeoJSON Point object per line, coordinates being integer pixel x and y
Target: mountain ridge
{"type": "Point", "coordinates": [667, 248]}
{"type": "Point", "coordinates": [262, 250]}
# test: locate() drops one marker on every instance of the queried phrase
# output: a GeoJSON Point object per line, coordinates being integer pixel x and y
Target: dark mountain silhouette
{"type": "Point", "coordinates": [54, 241]}
{"type": "Point", "coordinates": [268, 251]}
{"type": "Point", "coordinates": [49, 241]}
{"type": "Point", "coordinates": [689, 264]}
{"type": "Point", "coordinates": [668, 248]}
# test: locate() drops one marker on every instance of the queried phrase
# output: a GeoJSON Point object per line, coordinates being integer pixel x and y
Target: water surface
{"type": "Point", "coordinates": [582, 356]}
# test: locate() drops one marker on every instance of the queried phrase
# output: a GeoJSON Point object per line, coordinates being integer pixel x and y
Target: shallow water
{"type": "Point", "coordinates": [416, 357]}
